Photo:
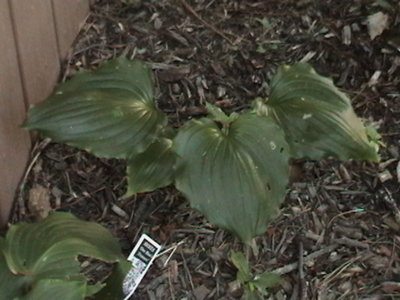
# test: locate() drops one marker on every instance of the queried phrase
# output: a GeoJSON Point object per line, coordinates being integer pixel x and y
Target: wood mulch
{"type": "Point", "coordinates": [338, 234]}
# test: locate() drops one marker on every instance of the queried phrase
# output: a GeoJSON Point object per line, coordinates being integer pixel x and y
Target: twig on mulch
{"type": "Point", "coordinates": [339, 270]}
{"type": "Point", "coordinates": [172, 251]}
{"type": "Point", "coordinates": [293, 266]}
{"type": "Point", "coordinates": [209, 26]}
{"type": "Point", "coordinates": [295, 292]}
{"type": "Point", "coordinates": [388, 198]}
{"type": "Point", "coordinates": [351, 243]}
{"type": "Point", "coordinates": [303, 284]}
{"type": "Point", "coordinates": [187, 272]}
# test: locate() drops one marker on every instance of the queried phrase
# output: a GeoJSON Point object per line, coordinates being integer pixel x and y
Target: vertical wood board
{"type": "Point", "coordinates": [33, 36]}
{"type": "Point", "coordinates": [37, 47]}
{"type": "Point", "coordinates": [69, 16]}
{"type": "Point", "coordinates": [14, 141]}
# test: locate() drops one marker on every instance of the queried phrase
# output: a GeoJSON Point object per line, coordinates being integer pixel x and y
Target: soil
{"type": "Point", "coordinates": [338, 234]}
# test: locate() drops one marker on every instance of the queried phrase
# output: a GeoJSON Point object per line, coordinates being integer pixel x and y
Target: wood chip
{"type": "Point", "coordinates": [391, 287]}
{"type": "Point", "coordinates": [377, 23]}
{"type": "Point", "coordinates": [39, 201]}
{"type": "Point", "coordinates": [346, 35]}
{"type": "Point", "coordinates": [385, 176]}
{"type": "Point", "coordinates": [201, 292]}
{"type": "Point", "coordinates": [173, 74]}
{"type": "Point", "coordinates": [119, 211]}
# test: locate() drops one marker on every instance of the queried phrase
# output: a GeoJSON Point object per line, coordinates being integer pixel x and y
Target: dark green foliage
{"type": "Point", "coordinates": [317, 118]}
{"type": "Point", "coordinates": [39, 261]}
{"type": "Point", "coordinates": [109, 112]}
{"type": "Point", "coordinates": [227, 173]}
{"type": "Point", "coordinates": [234, 169]}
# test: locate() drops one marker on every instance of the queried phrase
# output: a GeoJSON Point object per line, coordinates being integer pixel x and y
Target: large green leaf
{"type": "Point", "coordinates": [317, 118]}
{"type": "Point", "coordinates": [56, 289]}
{"type": "Point", "coordinates": [109, 112]}
{"type": "Point", "coordinates": [151, 169]}
{"type": "Point", "coordinates": [48, 250]}
{"type": "Point", "coordinates": [235, 175]}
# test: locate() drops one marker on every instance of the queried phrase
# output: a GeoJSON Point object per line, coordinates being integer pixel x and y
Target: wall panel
{"type": "Point", "coordinates": [37, 47]}
{"type": "Point", "coordinates": [14, 141]}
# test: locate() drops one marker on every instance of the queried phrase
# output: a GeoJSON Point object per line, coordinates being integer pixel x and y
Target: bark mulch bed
{"type": "Point", "coordinates": [338, 234]}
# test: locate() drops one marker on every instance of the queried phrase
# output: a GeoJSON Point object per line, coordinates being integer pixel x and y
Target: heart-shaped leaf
{"type": "Point", "coordinates": [317, 118]}
{"type": "Point", "coordinates": [38, 255]}
{"type": "Point", "coordinates": [151, 169]}
{"type": "Point", "coordinates": [109, 112]}
{"type": "Point", "coordinates": [235, 175]}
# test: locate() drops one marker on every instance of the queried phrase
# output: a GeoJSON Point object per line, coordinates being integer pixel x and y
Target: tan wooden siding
{"type": "Point", "coordinates": [34, 36]}
{"type": "Point", "coordinates": [37, 46]}
{"type": "Point", "coordinates": [14, 143]}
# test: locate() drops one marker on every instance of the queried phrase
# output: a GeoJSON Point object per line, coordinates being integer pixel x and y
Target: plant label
{"type": "Point", "coordinates": [142, 256]}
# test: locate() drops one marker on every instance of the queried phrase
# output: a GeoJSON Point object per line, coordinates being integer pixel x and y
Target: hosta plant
{"type": "Point", "coordinates": [234, 169]}
{"type": "Point", "coordinates": [40, 260]}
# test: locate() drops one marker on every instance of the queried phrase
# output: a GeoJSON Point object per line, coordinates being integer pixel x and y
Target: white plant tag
{"type": "Point", "coordinates": [142, 256]}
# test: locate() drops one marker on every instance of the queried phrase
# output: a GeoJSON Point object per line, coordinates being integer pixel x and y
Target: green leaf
{"type": "Point", "coordinates": [48, 250]}
{"type": "Point", "coordinates": [235, 173]}
{"type": "Point", "coordinates": [261, 49]}
{"type": "Point", "coordinates": [251, 295]}
{"type": "Point", "coordinates": [8, 279]}
{"type": "Point", "coordinates": [218, 115]}
{"type": "Point", "coordinates": [317, 118]}
{"type": "Point", "coordinates": [95, 288]}
{"type": "Point", "coordinates": [113, 290]}
{"type": "Point", "coordinates": [374, 137]}
{"type": "Point", "coordinates": [264, 23]}
{"type": "Point", "coordinates": [266, 280]}
{"type": "Point", "coordinates": [56, 289]}
{"type": "Point", "coordinates": [151, 169]}
{"type": "Point", "coordinates": [109, 112]}
{"type": "Point", "coordinates": [240, 262]}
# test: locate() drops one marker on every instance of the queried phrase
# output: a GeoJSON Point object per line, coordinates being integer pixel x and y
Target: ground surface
{"type": "Point", "coordinates": [337, 236]}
